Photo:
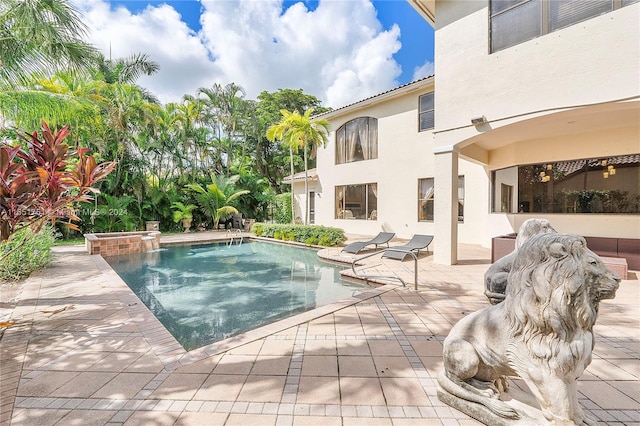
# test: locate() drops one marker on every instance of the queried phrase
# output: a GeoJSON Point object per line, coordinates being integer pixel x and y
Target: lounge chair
{"type": "Point", "coordinates": [381, 238]}
{"type": "Point", "coordinates": [417, 243]}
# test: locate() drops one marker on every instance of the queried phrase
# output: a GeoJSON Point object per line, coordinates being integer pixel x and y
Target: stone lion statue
{"type": "Point", "coordinates": [495, 279]}
{"type": "Point", "coordinates": [542, 332]}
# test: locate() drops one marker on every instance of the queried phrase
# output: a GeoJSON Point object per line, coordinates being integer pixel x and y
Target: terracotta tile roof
{"type": "Point", "coordinates": [374, 96]}
{"type": "Point", "coordinates": [299, 177]}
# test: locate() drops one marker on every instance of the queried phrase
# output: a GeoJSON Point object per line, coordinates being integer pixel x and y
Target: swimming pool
{"type": "Point", "coordinates": [206, 293]}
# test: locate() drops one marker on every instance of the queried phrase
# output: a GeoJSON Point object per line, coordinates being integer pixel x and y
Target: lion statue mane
{"type": "Point", "coordinates": [495, 279]}
{"type": "Point", "coordinates": [542, 332]}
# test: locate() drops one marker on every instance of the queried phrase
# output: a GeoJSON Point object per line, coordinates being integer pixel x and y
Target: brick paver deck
{"type": "Point", "coordinates": [84, 350]}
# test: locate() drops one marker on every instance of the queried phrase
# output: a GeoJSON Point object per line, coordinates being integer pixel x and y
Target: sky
{"type": "Point", "coordinates": [340, 51]}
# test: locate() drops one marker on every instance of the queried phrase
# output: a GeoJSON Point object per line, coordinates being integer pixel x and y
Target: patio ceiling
{"type": "Point", "coordinates": [584, 120]}
{"type": "Point", "coordinates": [426, 9]}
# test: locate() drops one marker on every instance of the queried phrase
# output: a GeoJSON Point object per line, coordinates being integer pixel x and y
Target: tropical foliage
{"type": "Point", "coordinates": [283, 208]}
{"type": "Point", "coordinates": [40, 183]}
{"type": "Point", "coordinates": [182, 212]}
{"type": "Point", "coordinates": [216, 197]}
{"type": "Point", "coordinates": [26, 252]}
{"type": "Point", "coordinates": [307, 234]}
{"type": "Point", "coordinates": [40, 36]}
{"type": "Point", "coordinates": [158, 150]}
{"type": "Point", "coordinates": [300, 132]}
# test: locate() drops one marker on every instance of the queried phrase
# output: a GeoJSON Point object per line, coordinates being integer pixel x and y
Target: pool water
{"type": "Point", "coordinates": [206, 293]}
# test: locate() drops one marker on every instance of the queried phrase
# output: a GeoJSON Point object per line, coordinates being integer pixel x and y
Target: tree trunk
{"type": "Point", "coordinates": [293, 210]}
{"type": "Point", "coordinates": [306, 187]}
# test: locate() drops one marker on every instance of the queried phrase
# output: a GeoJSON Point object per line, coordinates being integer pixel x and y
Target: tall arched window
{"type": "Point", "coordinates": [357, 140]}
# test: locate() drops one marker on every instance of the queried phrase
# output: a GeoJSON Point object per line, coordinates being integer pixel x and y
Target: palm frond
{"type": "Point", "coordinates": [41, 36]}
{"type": "Point", "coordinates": [235, 195]}
{"type": "Point", "coordinates": [27, 108]}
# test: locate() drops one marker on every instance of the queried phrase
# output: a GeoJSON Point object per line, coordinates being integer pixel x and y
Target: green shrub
{"type": "Point", "coordinates": [324, 240]}
{"type": "Point", "coordinates": [282, 211]}
{"type": "Point", "coordinates": [307, 234]}
{"type": "Point", "coordinates": [28, 252]}
{"type": "Point", "coordinates": [312, 241]}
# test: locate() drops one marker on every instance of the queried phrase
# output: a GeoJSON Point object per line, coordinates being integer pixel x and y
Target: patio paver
{"type": "Point", "coordinates": [105, 359]}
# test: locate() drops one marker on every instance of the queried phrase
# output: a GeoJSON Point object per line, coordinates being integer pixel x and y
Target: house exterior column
{"type": "Point", "coordinates": [446, 207]}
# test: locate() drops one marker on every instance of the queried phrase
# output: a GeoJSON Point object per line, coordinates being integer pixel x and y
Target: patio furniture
{"type": "Point", "coordinates": [417, 243]}
{"type": "Point", "coordinates": [381, 238]}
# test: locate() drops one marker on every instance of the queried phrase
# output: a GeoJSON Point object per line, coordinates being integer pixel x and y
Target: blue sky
{"type": "Point", "coordinates": [339, 51]}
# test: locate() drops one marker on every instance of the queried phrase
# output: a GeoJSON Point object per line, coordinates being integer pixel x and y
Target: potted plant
{"type": "Point", "coordinates": [182, 213]}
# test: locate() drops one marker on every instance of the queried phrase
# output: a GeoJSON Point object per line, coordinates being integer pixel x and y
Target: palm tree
{"type": "Point", "coordinates": [127, 71]}
{"type": "Point", "coordinates": [38, 36]}
{"type": "Point", "coordinates": [302, 132]}
{"type": "Point", "coordinates": [280, 131]}
{"type": "Point", "coordinates": [225, 107]}
{"type": "Point", "coordinates": [215, 197]}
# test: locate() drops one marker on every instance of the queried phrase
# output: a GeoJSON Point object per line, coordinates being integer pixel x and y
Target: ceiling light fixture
{"type": "Point", "coordinates": [476, 121]}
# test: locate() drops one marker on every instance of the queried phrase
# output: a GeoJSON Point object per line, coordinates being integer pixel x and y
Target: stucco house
{"type": "Point", "coordinates": [534, 111]}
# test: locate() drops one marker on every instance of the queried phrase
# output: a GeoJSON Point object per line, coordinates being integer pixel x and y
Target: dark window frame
{"type": "Point", "coordinates": [373, 149]}
{"type": "Point", "coordinates": [426, 207]}
{"type": "Point", "coordinates": [602, 185]}
{"type": "Point", "coordinates": [424, 112]}
{"type": "Point", "coordinates": [549, 14]}
{"type": "Point", "coordinates": [461, 194]}
{"type": "Point", "coordinates": [428, 202]}
{"type": "Point", "coordinates": [341, 205]}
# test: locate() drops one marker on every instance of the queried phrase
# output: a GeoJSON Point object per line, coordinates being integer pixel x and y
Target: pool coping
{"type": "Point", "coordinates": [173, 355]}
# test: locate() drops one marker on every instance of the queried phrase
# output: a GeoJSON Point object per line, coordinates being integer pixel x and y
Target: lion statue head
{"type": "Point", "coordinates": [531, 227]}
{"type": "Point", "coordinates": [553, 292]}
{"type": "Point", "coordinates": [495, 279]}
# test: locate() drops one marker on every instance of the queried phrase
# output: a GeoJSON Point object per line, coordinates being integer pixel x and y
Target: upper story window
{"type": "Point", "coordinates": [357, 140]}
{"type": "Point", "coordinates": [516, 21]}
{"type": "Point", "coordinates": [426, 112]}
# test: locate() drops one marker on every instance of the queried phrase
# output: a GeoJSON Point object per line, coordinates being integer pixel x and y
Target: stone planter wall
{"type": "Point", "coordinates": [502, 246]}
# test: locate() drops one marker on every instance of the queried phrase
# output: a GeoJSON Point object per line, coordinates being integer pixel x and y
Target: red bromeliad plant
{"type": "Point", "coordinates": [41, 183]}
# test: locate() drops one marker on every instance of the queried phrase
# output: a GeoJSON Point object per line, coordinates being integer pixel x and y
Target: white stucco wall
{"type": "Point", "coordinates": [540, 98]}
{"type": "Point", "coordinates": [300, 200]}
{"type": "Point", "coordinates": [592, 68]}
{"type": "Point", "coordinates": [595, 60]}
{"type": "Point", "coordinates": [404, 156]}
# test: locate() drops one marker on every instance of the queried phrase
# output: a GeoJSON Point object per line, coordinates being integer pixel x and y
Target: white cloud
{"type": "Point", "coordinates": [424, 70]}
{"type": "Point", "coordinates": [338, 52]}
{"type": "Point", "coordinates": [158, 32]}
